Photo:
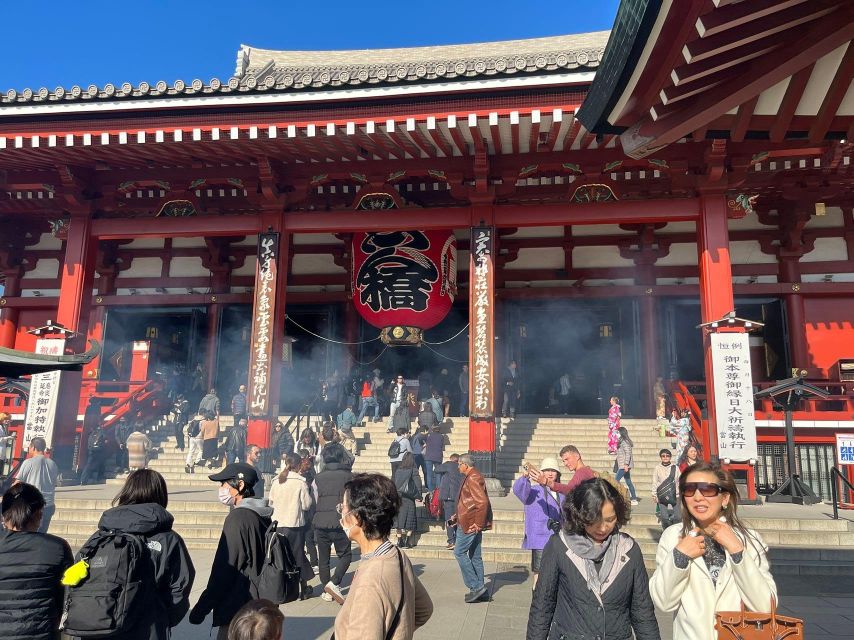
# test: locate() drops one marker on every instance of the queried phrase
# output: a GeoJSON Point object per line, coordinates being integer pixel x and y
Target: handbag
{"type": "Point", "coordinates": [757, 625]}
{"type": "Point", "coordinates": [396, 621]}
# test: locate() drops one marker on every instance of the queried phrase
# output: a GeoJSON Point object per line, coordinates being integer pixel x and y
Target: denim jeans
{"type": "Point", "coordinates": [47, 514]}
{"type": "Point", "coordinates": [367, 403]}
{"type": "Point", "coordinates": [622, 473]}
{"type": "Point", "coordinates": [426, 470]}
{"type": "Point", "coordinates": [467, 552]}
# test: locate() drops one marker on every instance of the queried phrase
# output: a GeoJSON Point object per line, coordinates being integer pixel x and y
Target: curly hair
{"type": "Point", "coordinates": [374, 501]}
{"type": "Point", "coordinates": [583, 507]}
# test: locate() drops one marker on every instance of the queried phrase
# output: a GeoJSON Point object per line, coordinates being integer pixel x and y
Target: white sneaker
{"type": "Point", "coordinates": [316, 569]}
{"type": "Point", "coordinates": [326, 597]}
{"type": "Point", "coordinates": [334, 592]}
{"type": "Point", "coordinates": [634, 503]}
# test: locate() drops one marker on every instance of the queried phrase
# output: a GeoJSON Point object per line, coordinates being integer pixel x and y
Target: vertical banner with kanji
{"type": "Point", "coordinates": [734, 409]}
{"type": "Point", "coordinates": [481, 317]}
{"type": "Point", "coordinates": [44, 392]}
{"type": "Point", "coordinates": [263, 316]}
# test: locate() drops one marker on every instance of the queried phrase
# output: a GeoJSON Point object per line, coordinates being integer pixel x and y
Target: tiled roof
{"type": "Point", "coordinates": [263, 70]}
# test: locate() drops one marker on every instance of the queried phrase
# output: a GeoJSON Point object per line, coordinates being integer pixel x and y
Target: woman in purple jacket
{"type": "Point", "coordinates": [542, 512]}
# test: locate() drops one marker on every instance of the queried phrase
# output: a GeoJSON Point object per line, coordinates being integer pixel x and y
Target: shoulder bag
{"type": "Point", "coordinates": [757, 625]}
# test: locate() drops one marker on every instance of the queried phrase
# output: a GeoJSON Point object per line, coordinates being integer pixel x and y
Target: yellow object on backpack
{"type": "Point", "coordinates": [76, 573]}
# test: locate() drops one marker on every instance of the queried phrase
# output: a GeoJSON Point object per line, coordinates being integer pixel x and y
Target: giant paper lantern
{"type": "Point", "coordinates": [404, 278]}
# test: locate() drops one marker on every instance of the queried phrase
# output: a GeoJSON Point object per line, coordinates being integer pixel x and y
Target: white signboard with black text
{"type": "Point", "coordinates": [44, 391]}
{"type": "Point", "coordinates": [734, 407]}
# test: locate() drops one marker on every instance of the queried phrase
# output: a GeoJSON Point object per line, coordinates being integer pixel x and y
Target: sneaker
{"type": "Point", "coordinates": [634, 503]}
{"type": "Point", "coordinates": [316, 569]}
{"type": "Point", "coordinates": [334, 592]}
{"type": "Point", "coordinates": [451, 546]}
{"type": "Point", "coordinates": [476, 594]}
{"type": "Point", "coordinates": [325, 597]}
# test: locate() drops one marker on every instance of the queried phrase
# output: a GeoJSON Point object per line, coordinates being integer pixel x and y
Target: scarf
{"type": "Point", "coordinates": [586, 549]}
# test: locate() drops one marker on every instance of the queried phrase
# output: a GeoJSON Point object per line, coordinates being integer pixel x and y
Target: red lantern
{"type": "Point", "coordinates": [404, 278]}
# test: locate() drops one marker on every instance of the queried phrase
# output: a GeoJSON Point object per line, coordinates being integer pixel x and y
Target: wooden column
{"type": "Point", "coordinates": [790, 273]}
{"type": "Point", "coordinates": [716, 296]}
{"type": "Point", "coordinates": [9, 315]}
{"type": "Point", "coordinates": [75, 297]}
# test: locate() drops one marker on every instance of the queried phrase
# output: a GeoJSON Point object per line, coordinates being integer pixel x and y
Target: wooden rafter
{"type": "Point", "coordinates": [553, 130]}
{"type": "Point", "coordinates": [440, 140]}
{"type": "Point", "coordinates": [791, 99]}
{"type": "Point", "coordinates": [833, 98]}
{"type": "Point", "coordinates": [534, 134]}
{"type": "Point", "coordinates": [742, 119]}
{"type": "Point", "coordinates": [736, 15]}
{"type": "Point", "coordinates": [457, 136]}
{"type": "Point", "coordinates": [734, 57]}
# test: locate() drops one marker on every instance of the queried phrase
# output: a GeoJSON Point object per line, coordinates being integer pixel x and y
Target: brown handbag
{"type": "Point", "coordinates": [757, 625]}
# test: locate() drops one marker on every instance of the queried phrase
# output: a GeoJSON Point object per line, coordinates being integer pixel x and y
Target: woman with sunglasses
{"type": "Point", "coordinates": [711, 561]}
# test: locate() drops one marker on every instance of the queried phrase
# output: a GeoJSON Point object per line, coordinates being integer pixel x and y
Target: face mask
{"type": "Point", "coordinates": [347, 529]}
{"type": "Point", "coordinates": [225, 496]}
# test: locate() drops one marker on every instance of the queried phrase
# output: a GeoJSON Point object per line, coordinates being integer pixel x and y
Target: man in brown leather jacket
{"type": "Point", "coordinates": [473, 517]}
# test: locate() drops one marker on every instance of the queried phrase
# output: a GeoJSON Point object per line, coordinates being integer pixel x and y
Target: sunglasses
{"type": "Point", "coordinates": [706, 489]}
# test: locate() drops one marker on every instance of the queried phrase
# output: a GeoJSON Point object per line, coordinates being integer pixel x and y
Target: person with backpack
{"type": "Point", "coordinates": [138, 447]}
{"type": "Point", "coordinates": [665, 482]}
{"type": "Point", "coordinates": [134, 542]}
{"type": "Point", "coordinates": [235, 442]}
{"type": "Point", "coordinates": [368, 399]}
{"type": "Point", "coordinates": [434, 446]}
{"type": "Point", "coordinates": [96, 450]}
{"type": "Point", "coordinates": [625, 462]}
{"type": "Point", "coordinates": [210, 438]}
{"type": "Point", "coordinates": [419, 444]}
{"type": "Point", "coordinates": [121, 432]}
{"type": "Point", "coordinates": [542, 512]}
{"type": "Point", "coordinates": [329, 491]}
{"type": "Point", "coordinates": [257, 620]}
{"type": "Point", "coordinates": [32, 564]}
{"type": "Point", "coordinates": [194, 434]}
{"type": "Point", "coordinates": [408, 484]}
{"type": "Point", "coordinates": [398, 448]}
{"type": "Point", "coordinates": [292, 501]}
{"type": "Point", "coordinates": [239, 554]}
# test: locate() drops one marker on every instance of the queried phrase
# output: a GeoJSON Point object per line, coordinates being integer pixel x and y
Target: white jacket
{"type": "Point", "coordinates": [694, 598]}
{"type": "Point", "coordinates": [290, 500]}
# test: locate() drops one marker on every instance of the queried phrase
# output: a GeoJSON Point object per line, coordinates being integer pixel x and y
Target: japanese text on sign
{"type": "Point", "coordinates": [845, 448]}
{"type": "Point", "coordinates": [262, 324]}
{"type": "Point", "coordinates": [482, 401]}
{"type": "Point", "coordinates": [44, 391]}
{"type": "Point", "coordinates": [734, 409]}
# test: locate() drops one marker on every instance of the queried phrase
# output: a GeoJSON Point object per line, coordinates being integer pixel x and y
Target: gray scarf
{"type": "Point", "coordinates": [585, 548]}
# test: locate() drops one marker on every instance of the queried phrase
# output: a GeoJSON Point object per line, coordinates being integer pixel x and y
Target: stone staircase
{"type": "Point", "coordinates": [802, 542]}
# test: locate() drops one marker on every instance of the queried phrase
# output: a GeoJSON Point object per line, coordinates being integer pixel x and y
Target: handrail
{"type": "Point", "coordinates": [834, 492]}
{"type": "Point", "coordinates": [698, 424]}
{"type": "Point", "coordinates": [9, 479]}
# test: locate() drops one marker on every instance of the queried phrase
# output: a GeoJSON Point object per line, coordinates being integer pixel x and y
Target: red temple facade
{"type": "Point", "coordinates": [608, 193]}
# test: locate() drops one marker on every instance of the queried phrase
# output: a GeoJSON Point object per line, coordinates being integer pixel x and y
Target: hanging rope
{"type": "Point", "coordinates": [454, 337]}
{"type": "Point", "coordinates": [442, 355]}
{"type": "Point", "coordinates": [312, 333]}
{"type": "Point", "coordinates": [364, 364]}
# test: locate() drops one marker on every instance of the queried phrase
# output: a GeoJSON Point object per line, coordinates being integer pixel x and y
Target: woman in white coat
{"type": "Point", "coordinates": [711, 561]}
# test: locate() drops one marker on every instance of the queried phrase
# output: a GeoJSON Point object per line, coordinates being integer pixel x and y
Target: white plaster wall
{"type": "Point", "coordinates": [538, 258]}
{"type": "Point", "coordinates": [588, 257]}
{"type": "Point", "coordinates": [145, 243]}
{"type": "Point", "coordinates": [248, 268]}
{"type": "Point", "coordinates": [186, 267]}
{"type": "Point", "coordinates": [680, 254]}
{"type": "Point", "coordinates": [314, 238]}
{"type": "Point", "coordinates": [248, 241]}
{"type": "Point", "coordinates": [143, 268]}
{"type": "Point", "coordinates": [45, 268]}
{"type": "Point", "coordinates": [537, 232]}
{"type": "Point", "coordinates": [314, 264]}
{"type": "Point", "coordinates": [183, 243]}
{"type": "Point", "coordinates": [48, 243]}
{"type": "Point", "coordinates": [600, 230]}
{"type": "Point", "coordinates": [748, 222]}
{"type": "Point", "coordinates": [749, 252]}
{"type": "Point", "coordinates": [827, 249]}
{"type": "Point", "coordinates": [832, 218]}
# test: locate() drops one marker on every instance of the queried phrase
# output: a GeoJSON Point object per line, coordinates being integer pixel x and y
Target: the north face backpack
{"type": "Point", "coordinates": [279, 580]}
{"type": "Point", "coordinates": [194, 429]}
{"type": "Point", "coordinates": [666, 492]}
{"type": "Point", "coordinates": [434, 504]}
{"type": "Point", "coordinates": [394, 449]}
{"type": "Point", "coordinates": [108, 602]}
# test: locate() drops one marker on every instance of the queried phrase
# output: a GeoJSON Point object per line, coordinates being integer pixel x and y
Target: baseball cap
{"type": "Point", "coordinates": [237, 471]}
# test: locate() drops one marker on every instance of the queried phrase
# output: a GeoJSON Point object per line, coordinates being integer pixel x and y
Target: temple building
{"type": "Point", "coordinates": [580, 204]}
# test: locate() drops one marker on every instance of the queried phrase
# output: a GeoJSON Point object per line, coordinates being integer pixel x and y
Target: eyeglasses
{"type": "Point", "coordinates": [706, 489]}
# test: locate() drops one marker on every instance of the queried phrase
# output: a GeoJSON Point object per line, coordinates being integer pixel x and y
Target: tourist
{"type": "Point", "coordinates": [96, 452]}
{"type": "Point", "coordinates": [378, 384]}
{"type": "Point", "coordinates": [473, 516]}
{"type": "Point", "coordinates": [659, 397]}
{"type": "Point", "coordinates": [234, 446]}
{"type": "Point", "coordinates": [257, 620]}
{"type": "Point", "coordinates": [681, 427]}
{"type": "Point", "coordinates": [711, 561]}
{"type": "Point", "coordinates": [121, 432]}
{"type": "Point", "coordinates": [253, 458]}
{"type": "Point", "coordinates": [571, 457]}
{"type": "Point", "coordinates": [449, 490]}
{"type": "Point", "coordinates": [368, 399]}
{"type": "Point", "coordinates": [194, 435]}
{"type": "Point", "coordinates": [412, 405]}
{"type": "Point", "coordinates": [138, 448]}
{"type": "Point", "coordinates": [512, 390]}
{"type": "Point", "coordinates": [610, 597]}
{"type": "Point", "coordinates": [306, 470]}
{"type": "Point", "coordinates": [434, 445]}
{"type": "Point", "coordinates": [435, 403]}
{"type": "Point", "coordinates": [463, 384]}
{"type": "Point", "coordinates": [426, 417]}
{"type": "Point", "coordinates": [397, 394]}
{"type": "Point", "coordinates": [180, 411]}
{"type": "Point", "coordinates": [408, 484]}
{"type": "Point", "coordinates": [140, 509]}
{"type": "Point", "coordinates": [31, 595]}
{"type": "Point", "coordinates": [614, 416]}
{"type": "Point", "coordinates": [210, 438]}
{"type": "Point", "coordinates": [625, 462]}
{"type": "Point", "coordinates": [331, 439]}
{"type": "Point", "coordinates": [281, 441]}
{"type": "Point", "coordinates": [238, 404]}
{"type": "Point", "coordinates": [292, 502]}
{"type": "Point", "coordinates": [390, 601]}
{"type": "Point", "coordinates": [329, 491]}
{"type": "Point", "coordinates": [563, 390]}
{"type": "Point", "coordinates": [210, 404]}
{"type": "Point", "coordinates": [690, 457]}
{"type": "Point", "coordinates": [240, 551]}
{"type": "Point", "coordinates": [41, 472]}
{"type": "Point", "coordinates": [308, 441]}
{"type": "Point", "coordinates": [542, 512]}
{"type": "Point", "coordinates": [403, 446]}
{"type": "Point", "coordinates": [346, 420]}
{"type": "Point", "coordinates": [665, 493]}
{"type": "Point", "coordinates": [5, 423]}
{"type": "Point", "coordinates": [419, 445]}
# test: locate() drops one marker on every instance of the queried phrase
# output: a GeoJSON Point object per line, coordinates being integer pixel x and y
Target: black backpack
{"type": "Point", "coordinates": [118, 589]}
{"type": "Point", "coordinates": [394, 449]}
{"type": "Point", "coordinates": [666, 492]}
{"type": "Point", "coordinates": [279, 580]}
{"type": "Point", "coordinates": [194, 429]}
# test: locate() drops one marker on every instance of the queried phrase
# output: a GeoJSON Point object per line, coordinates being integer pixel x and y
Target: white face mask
{"type": "Point", "coordinates": [225, 496]}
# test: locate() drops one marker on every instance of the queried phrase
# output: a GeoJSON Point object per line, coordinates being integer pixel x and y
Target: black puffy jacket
{"type": "Point", "coordinates": [31, 565]}
{"type": "Point", "coordinates": [173, 569]}
{"type": "Point", "coordinates": [329, 486]}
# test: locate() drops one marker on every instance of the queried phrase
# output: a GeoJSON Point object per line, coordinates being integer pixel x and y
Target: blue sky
{"type": "Point", "coordinates": [61, 43]}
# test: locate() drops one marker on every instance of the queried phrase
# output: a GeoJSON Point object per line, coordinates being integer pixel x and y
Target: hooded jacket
{"type": "Point", "coordinates": [329, 492]}
{"type": "Point", "coordinates": [30, 593]}
{"type": "Point", "coordinates": [237, 562]}
{"type": "Point", "coordinates": [173, 569]}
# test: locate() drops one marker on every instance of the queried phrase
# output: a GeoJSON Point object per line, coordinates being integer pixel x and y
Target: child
{"type": "Point", "coordinates": [257, 620]}
{"type": "Point", "coordinates": [665, 483]}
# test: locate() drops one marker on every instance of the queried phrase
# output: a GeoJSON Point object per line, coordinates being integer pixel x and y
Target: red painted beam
{"type": "Point", "coordinates": [192, 227]}
{"type": "Point", "coordinates": [616, 212]}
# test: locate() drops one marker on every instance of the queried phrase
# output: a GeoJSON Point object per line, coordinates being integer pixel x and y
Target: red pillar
{"type": "Point", "coordinates": [75, 297]}
{"type": "Point", "coordinates": [790, 273]}
{"type": "Point", "coordinates": [716, 297]}
{"type": "Point", "coordinates": [649, 335]}
{"type": "Point", "coordinates": [9, 315]}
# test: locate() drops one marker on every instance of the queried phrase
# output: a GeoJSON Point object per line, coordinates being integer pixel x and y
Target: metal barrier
{"type": "Point", "coordinates": [836, 475]}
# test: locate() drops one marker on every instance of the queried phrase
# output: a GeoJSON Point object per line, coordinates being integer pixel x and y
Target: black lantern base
{"type": "Point", "coordinates": [794, 491]}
